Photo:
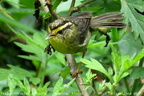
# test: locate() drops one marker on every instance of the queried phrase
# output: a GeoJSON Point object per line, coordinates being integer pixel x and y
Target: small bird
{"type": "Point", "coordinates": [72, 34]}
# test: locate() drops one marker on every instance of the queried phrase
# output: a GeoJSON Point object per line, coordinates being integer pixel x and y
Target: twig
{"type": "Point", "coordinates": [71, 8]}
{"type": "Point", "coordinates": [37, 14]}
{"type": "Point", "coordinates": [75, 9]}
{"type": "Point", "coordinates": [73, 69]}
{"type": "Point", "coordinates": [37, 10]}
{"type": "Point", "coordinates": [49, 5]}
{"type": "Point", "coordinates": [45, 8]}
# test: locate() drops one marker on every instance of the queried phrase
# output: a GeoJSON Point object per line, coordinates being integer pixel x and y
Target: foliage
{"type": "Point", "coordinates": [121, 65]}
{"type": "Point", "coordinates": [27, 70]}
{"type": "Point", "coordinates": [128, 8]}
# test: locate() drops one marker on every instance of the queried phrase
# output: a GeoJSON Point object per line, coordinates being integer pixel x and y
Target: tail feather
{"type": "Point", "coordinates": [108, 20]}
{"type": "Point", "coordinates": [117, 24]}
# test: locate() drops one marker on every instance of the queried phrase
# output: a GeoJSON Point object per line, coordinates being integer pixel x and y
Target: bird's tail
{"type": "Point", "coordinates": [107, 20]}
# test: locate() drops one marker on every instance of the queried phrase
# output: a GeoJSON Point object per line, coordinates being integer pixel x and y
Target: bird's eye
{"type": "Point", "coordinates": [60, 32]}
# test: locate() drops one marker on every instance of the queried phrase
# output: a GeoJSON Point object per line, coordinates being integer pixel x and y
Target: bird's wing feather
{"type": "Point", "coordinates": [82, 21]}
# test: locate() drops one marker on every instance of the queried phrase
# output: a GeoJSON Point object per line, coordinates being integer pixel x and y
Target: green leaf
{"type": "Point", "coordinates": [116, 59]}
{"type": "Point", "coordinates": [39, 40]}
{"type": "Point", "coordinates": [128, 45]}
{"type": "Point", "coordinates": [61, 58]}
{"type": "Point", "coordinates": [96, 44]}
{"type": "Point", "coordinates": [11, 83]}
{"type": "Point", "coordinates": [6, 13]}
{"type": "Point", "coordinates": [136, 20]}
{"type": "Point", "coordinates": [34, 92]}
{"type": "Point", "coordinates": [64, 72]}
{"type": "Point", "coordinates": [31, 48]}
{"type": "Point", "coordinates": [109, 86]}
{"type": "Point", "coordinates": [56, 3]}
{"type": "Point", "coordinates": [41, 91]}
{"type": "Point", "coordinates": [40, 55]}
{"type": "Point", "coordinates": [105, 6]}
{"type": "Point", "coordinates": [19, 72]}
{"type": "Point", "coordinates": [17, 24]}
{"type": "Point", "coordinates": [65, 86]}
{"type": "Point", "coordinates": [35, 45]}
{"type": "Point", "coordinates": [102, 85]}
{"type": "Point", "coordinates": [35, 80]}
{"type": "Point", "coordinates": [4, 73]}
{"type": "Point", "coordinates": [138, 57]}
{"type": "Point", "coordinates": [22, 35]}
{"type": "Point", "coordinates": [57, 87]}
{"type": "Point", "coordinates": [46, 85]}
{"type": "Point", "coordinates": [89, 76]}
{"type": "Point", "coordinates": [20, 84]}
{"type": "Point", "coordinates": [137, 4]}
{"type": "Point", "coordinates": [137, 73]}
{"type": "Point", "coordinates": [122, 64]}
{"type": "Point", "coordinates": [23, 11]}
{"type": "Point", "coordinates": [27, 86]}
{"type": "Point", "coordinates": [95, 65]}
{"type": "Point", "coordinates": [95, 9]}
{"type": "Point", "coordinates": [14, 3]}
{"type": "Point", "coordinates": [125, 74]}
{"type": "Point", "coordinates": [24, 85]}
{"type": "Point", "coordinates": [30, 57]}
{"type": "Point", "coordinates": [110, 71]}
{"type": "Point", "coordinates": [27, 3]}
{"type": "Point", "coordinates": [60, 87]}
{"type": "Point", "coordinates": [126, 64]}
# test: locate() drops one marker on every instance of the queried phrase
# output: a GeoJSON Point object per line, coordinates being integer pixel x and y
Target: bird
{"type": "Point", "coordinates": [71, 35]}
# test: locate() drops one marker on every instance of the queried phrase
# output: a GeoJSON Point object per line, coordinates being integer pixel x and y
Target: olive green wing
{"type": "Point", "coordinates": [82, 21]}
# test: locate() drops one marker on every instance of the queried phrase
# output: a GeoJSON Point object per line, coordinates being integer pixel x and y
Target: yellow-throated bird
{"type": "Point", "coordinates": [71, 35]}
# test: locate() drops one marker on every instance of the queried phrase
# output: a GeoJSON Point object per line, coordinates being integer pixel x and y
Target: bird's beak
{"type": "Point", "coordinates": [49, 35]}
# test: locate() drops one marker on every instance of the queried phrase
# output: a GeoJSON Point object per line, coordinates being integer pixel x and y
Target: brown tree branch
{"type": "Point", "coordinates": [45, 8]}
{"type": "Point", "coordinates": [75, 9]}
{"type": "Point", "coordinates": [49, 5]}
{"type": "Point", "coordinates": [73, 68]}
{"type": "Point", "coordinates": [71, 8]}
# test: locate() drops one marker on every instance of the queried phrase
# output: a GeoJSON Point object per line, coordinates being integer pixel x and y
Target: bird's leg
{"type": "Point", "coordinates": [83, 54]}
{"type": "Point", "coordinates": [48, 49]}
{"type": "Point", "coordinates": [107, 39]}
{"type": "Point", "coordinates": [77, 71]}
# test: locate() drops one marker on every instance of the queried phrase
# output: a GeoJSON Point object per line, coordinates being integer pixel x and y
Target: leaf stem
{"type": "Point", "coordinates": [115, 37]}
{"type": "Point", "coordinates": [127, 85]}
{"type": "Point", "coordinates": [94, 87]}
{"type": "Point", "coordinates": [136, 81]}
{"type": "Point", "coordinates": [43, 70]}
